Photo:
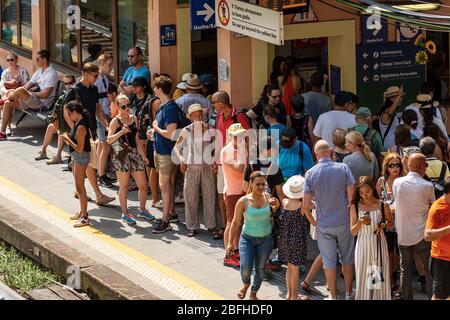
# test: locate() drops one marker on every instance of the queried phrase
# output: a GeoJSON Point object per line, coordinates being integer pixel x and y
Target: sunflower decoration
{"type": "Point", "coordinates": [420, 40]}
{"type": "Point", "coordinates": [421, 57]}
{"type": "Point", "coordinates": [431, 47]}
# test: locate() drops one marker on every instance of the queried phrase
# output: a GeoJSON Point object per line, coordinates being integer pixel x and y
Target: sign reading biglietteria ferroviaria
{"type": "Point", "coordinates": [250, 20]}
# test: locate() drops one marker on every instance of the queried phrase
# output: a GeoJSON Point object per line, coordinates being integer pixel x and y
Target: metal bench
{"type": "Point", "coordinates": [42, 114]}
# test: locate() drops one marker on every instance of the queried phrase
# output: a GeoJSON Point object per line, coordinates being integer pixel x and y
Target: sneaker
{"type": "Point", "coordinates": [54, 161]}
{"type": "Point", "coordinates": [329, 298]}
{"type": "Point", "coordinates": [144, 214]}
{"type": "Point", "coordinates": [3, 136]}
{"type": "Point", "coordinates": [128, 219]}
{"type": "Point", "coordinates": [237, 255]}
{"type": "Point", "coordinates": [82, 223]}
{"type": "Point", "coordinates": [191, 233]}
{"type": "Point", "coordinates": [157, 204]}
{"type": "Point", "coordinates": [104, 181]}
{"type": "Point", "coordinates": [173, 218]}
{"type": "Point", "coordinates": [162, 227]}
{"type": "Point", "coordinates": [41, 156]}
{"type": "Point", "coordinates": [232, 262]}
{"type": "Point", "coordinates": [76, 216]}
{"type": "Point", "coordinates": [9, 132]}
{"type": "Point", "coordinates": [103, 200]}
{"type": "Point", "coordinates": [350, 296]}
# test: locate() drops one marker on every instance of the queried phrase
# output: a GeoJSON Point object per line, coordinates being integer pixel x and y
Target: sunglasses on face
{"type": "Point", "coordinates": [394, 165]}
{"type": "Point", "coordinates": [68, 83]}
{"type": "Point", "coordinates": [276, 97]}
{"type": "Point", "coordinates": [10, 60]}
{"type": "Point", "coordinates": [131, 56]}
{"type": "Point", "coordinates": [125, 107]}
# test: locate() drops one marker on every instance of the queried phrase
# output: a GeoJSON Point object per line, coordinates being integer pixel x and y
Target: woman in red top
{"type": "Point", "coordinates": [290, 83]}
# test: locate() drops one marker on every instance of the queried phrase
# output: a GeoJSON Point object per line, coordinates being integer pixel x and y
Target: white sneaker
{"type": "Point", "coordinates": [350, 296]}
{"type": "Point", "coordinates": [329, 298]}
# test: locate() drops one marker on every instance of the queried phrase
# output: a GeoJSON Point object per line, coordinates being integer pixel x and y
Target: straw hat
{"type": "Point", "coordinates": [236, 129]}
{"type": "Point", "coordinates": [193, 82]}
{"type": "Point", "coordinates": [294, 187]}
{"type": "Point", "coordinates": [182, 84]}
{"type": "Point", "coordinates": [194, 108]}
{"type": "Point", "coordinates": [425, 101]}
{"type": "Point", "coordinates": [391, 92]}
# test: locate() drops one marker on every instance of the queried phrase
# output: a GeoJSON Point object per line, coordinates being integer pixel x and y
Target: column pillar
{"type": "Point", "coordinates": [237, 52]}
{"type": "Point", "coordinates": [162, 59]}
{"type": "Point", "coordinates": [39, 26]}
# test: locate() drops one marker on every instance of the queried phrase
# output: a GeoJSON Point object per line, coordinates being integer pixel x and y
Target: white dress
{"type": "Point", "coordinates": [372, 261]}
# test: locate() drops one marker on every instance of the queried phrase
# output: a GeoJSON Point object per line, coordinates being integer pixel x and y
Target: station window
{"type": "Point", "coordinates": [16, 22]}
{"type": "Point", "coordinates": [105, 26]}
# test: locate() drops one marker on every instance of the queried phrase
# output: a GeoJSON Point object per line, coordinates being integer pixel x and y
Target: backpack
{"type": "Point", "coordinates": [438, 183]}
{"type": "Point", "coordinates": [368, 136]}
{"type": "Point", "coordinates": [183, 120]}
{"type": "Point", "coordinates": [56, 115]}
{"type": "Point", "coordinates": [235, 117]}
{"type": "Point", "coordinates": [302, 129]}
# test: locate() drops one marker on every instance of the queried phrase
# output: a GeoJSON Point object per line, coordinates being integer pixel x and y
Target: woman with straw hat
{"type": "Point", "coordinates": [293, 244]}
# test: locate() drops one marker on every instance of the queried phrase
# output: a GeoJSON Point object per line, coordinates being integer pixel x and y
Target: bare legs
{"type": "Point", "coordinates": [152, 175]}
{"type": "Point", "coordinates": [79, 173]}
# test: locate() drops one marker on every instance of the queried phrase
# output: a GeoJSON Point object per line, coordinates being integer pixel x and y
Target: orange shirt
{"type": "Point", "coordinates": [233, 179]}
{"type": "Point", "coordinates": [114, 109]}
{"type": "Point", "coordinates": [439, 217]}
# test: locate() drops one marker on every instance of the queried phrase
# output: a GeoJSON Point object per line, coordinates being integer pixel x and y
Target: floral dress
{"type": "Point", "coordinates": [293, 245]}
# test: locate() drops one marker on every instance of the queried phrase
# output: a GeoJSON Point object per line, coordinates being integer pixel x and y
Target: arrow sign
{"type": "Point", "coordinates": [365, 79]}
{"type": "Point", "coordinates": [208, 12]}
{"type": "Point", "coordinates": [365, 67]}
{"type": "Point", "coordinates": [365, 55]}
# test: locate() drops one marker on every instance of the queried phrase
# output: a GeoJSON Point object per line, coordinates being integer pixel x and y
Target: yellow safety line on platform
{"type": "Point", "coordinates": [185, 281]}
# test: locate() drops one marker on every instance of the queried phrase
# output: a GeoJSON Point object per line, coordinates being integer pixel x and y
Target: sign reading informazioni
{"type": "Point", "coordinates": [250, 20]}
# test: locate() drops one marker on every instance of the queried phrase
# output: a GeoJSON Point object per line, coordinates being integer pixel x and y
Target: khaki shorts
{"type": "Point", "coordinates": [220, 180]}
{"type": "Point", "coordinates": [164, 164]}
{"type": "Point", "coordinates": [33, 103]}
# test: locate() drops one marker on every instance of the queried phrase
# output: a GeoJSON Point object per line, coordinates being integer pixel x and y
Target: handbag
{"type": "Point", "coordinates": [121, 147]}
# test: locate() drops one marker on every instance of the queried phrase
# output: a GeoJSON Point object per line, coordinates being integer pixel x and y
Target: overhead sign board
{"type": "Point", "coordinates": [382, 66]}
{"type": "Point", "coordinates": [373, 31]}
{"type": "Point", "coordinates": [250, 20]}
{"type": "Point", "coordinates": [407, 32]}
{"type": "Point", "coordinates": [203, 15]}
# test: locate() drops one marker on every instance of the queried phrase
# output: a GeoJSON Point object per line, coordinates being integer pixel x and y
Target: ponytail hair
{"type": "Point", "coordinates": [76, 106]}
{"type": "Point", "coordinates": [357, 139]}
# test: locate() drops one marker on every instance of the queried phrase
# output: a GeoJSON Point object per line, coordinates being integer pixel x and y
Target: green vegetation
{"type": "Point", "coordinates": [21, 273]}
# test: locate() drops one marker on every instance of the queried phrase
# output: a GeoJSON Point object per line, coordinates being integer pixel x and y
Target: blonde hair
{"type": "Point", "coordinates": [104, 57]}
{"type": "Point", "coordinates": [357, 139]}
{"type": "Point", "coordinates": [339, 138]}
{"type": "Point", "coordinates": [121, 98]}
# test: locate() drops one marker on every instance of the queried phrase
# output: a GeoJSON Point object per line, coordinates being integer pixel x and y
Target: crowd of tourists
{"type": "Point", "coordinates": [372, 189]}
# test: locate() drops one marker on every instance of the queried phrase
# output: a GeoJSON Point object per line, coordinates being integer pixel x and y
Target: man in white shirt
{"type": "Point", "coordinates": [413, 197]}
{"type": "Point", "coordinates": [46, 78]}
{"type": "Point", "coordinates": [334, 119]}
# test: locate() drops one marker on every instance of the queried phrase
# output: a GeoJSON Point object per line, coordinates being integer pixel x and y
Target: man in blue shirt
{"type": "Point", "coordinates": [137, 69]}
{"type": "Point", "coordinates": [331, 185]}
{"type": "Point", "coordinates": [165, 125]}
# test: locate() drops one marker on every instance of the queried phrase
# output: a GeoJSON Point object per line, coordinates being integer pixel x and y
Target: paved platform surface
{"type": "Point", "coordinates": [170, 266]}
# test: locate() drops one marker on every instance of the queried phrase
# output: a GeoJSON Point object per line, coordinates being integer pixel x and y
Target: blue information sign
{"type": "Point", "coordinates": [168, 35]}
{"type": "Point", "coordinates": [203, 14]}
{"type": "Point", "coordinates": [373, 33]}
{"type": "Point", "coordinates": [335, 79]}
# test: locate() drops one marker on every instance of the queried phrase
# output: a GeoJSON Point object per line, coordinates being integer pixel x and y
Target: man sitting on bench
{"type": "Point", "coordinates": [45, 78]}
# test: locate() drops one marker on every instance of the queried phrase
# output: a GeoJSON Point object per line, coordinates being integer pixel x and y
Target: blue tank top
{"type": "Point", "coordinates": [290, 162]}
{"type": "Point", "coordinates": [257, 221]}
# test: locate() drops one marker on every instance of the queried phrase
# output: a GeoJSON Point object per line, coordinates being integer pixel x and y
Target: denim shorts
{"type": "Point", "coordinates": [101, 132]}
{"type": "Point", "coordinates": [81, 159]}
{"type": "Point", "coordinates": [334, 241]}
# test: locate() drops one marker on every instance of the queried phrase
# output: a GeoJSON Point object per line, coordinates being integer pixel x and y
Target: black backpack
{"type": "Point", "coordinates": [438, 183]}
{"type": "Point", "coordinates": [243, 112]}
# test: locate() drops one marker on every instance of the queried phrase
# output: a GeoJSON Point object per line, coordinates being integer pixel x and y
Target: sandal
{"type": "Point", "coordinates": [303, 298]}
{"type": "Point", "coordinates": [41, 156]}
{"type": "Point", "coordinates": [76, 216]}
{"type": "Point", "coordinates": [306, 287]}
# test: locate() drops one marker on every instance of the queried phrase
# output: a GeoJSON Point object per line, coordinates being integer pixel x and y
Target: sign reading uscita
{"type": "Point", "coordinates": [250, 20]}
